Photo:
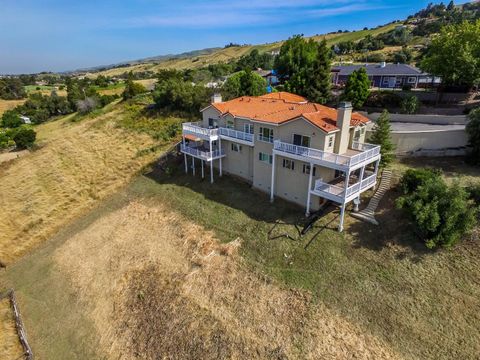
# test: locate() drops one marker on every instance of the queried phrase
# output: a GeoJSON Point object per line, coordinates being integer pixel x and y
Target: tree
{"type": "Point", "coordinates": [244, 83]}
{"type": "Point", "coordinates": [454, 54]}
{"type": "Point", "coordinates": [318, 88]}
{"type": "Point", "coordinates": [451, 6]}
{"type": "Point", "coordinates": [294, 63]}
{"type": "Point", "coordinates": [410, 105]}
{"type": "Point", "coordinates": [24, 137]}
{"type": "Point", "coordinates": [11, 119]}
{"type": "Point", "coordinates": [382, 136]}
{"type": "Point", "coordinates": [357, 88]}
{"type": "Point", "coordinates": [132, 89]}
{"type": "Point", "coordinates": [441, 214]}
{"type": "Point", "coordinates": [86, 106]}
{"type": "Point", "coordinates": [473, 132]}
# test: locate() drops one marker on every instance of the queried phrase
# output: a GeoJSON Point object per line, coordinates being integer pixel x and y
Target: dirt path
{"type": "Point", "coordinates": [155, 285]}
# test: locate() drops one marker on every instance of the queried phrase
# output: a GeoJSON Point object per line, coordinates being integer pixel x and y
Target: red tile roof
{"type": "Point", "coordinates": [277, 108]}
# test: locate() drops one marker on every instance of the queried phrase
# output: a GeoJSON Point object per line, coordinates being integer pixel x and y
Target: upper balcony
{"type": "Point", "coordinates": [357, 156]}
{"type": "Point", "coordinates": [339, 191]}
{"type": "Point", "coordinates": [237, 136]}
{"type": "Point", "coordinates": [196, 129]}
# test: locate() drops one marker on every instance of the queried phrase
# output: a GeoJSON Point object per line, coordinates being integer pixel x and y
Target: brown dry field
{"type": "Point", "coordinates": [76, 165]}
{"type": "Point", "coordinates": [177, 293]}
{"type": "Point", "coordinates": [9, 104]}
{"type": "Point", "coordinates": [10, 347]}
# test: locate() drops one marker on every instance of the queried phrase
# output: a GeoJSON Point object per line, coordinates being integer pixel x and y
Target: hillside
{"type": "Point", "coordinates": [200, 59]}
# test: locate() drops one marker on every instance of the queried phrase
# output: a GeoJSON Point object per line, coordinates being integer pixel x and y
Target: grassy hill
{"type": "Point", "coordinates": [200, 60]}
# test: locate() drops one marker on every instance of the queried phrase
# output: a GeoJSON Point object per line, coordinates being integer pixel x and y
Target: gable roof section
{"type": "Point", "coordinates": [378, 70]}
{"type": "Point", "coordinates": [276, 109]}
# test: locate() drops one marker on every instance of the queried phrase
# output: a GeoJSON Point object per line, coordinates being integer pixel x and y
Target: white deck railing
{"type": "Point", "coordinates": [205, 155]}
{"type": "Point", "coordinates": [311, 153]}
{"type": "Point", "coordinates": [329, 188]}
{"type": "Point", "coordinates": [235, 134]}
{"type": "Point", "coordinates": [340, 191]}
{"type": "Point", "coordinates": [368, 151]}
{"type": "Point", "coordinates": [195, 128]}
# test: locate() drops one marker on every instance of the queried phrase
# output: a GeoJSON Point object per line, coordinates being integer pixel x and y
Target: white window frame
{"type": "Point", "coordinates": [261, 137]}
{"type": "Point", "coordinates": [386, 80]}
{"type": "Point", "coordinates": [236, 147]}
{"type": "Point", "coordinates": [248, 128]}
{"type": "Point", "coordinates": [288, 164]}
{"type": "Point", "coordinates": [265, 158]}
{"type": "Point", "coordinates": [302, 137]}
{"type": "Point", "coordinates": [410, 78]}
{"type": "Point", "coordinates": [330, 141]}
{"type": "Point", "coordinates": [306, 169]}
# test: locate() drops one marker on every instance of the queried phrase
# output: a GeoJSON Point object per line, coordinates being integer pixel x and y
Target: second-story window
{"type": "Point", "coordinates": [236, 147]}
{"type": "Point", "coordinates": [266, 134]}
{"type": "Point", "coordinates": [229, 124]}
{"type": "Point", "coordinates": [301, 140]}
{"type": "Point", "coordinates": [248, 128]}
{"type": "Point", "coordinates": [330, 141]}
{"type": "Point", "coordinates": [212, 123]}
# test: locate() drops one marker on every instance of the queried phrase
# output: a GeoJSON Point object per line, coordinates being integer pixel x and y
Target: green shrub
{"type": "Point", "coordinates": [442, 214]}
{"type": "Point", "coordinates": [410, 105]}
{"type": "Point", "coordinates": [24, 137]}
{"type": "Point", "coordinates": [383, 99]}
{"type": "Point", "coordinates": [5, 140]}
{"type": "Point", "coordinates": [473, 132]}
{"type": "Point", "coordinates": [11, 119]}
{"type": "Point", "coordinates": [132, 89]}
{"type": "Point", "coordinates": [381, 135]}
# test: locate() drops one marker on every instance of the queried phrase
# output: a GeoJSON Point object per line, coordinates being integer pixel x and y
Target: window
{"type": "Point", "coordinates": [386, 80]}
{"type": "Point", "coordinates": [288, 164]}
{"type": "Point", "coordinates": [356, 135]}
{"type": "Point", "coordinates": [412, 80]}
{"type": "Point", "coordinates": [212, 123]}
{"type": "Point", "coordinates": [362, 130]}
{"type": "Point", "coordinates": [306, 169]}
{"type": "Point", "coordinates": [266, 135]}
{"type": "Point", "coordinates": [265, 158]}
{"type": "Point", "coordinates": [248, 128]}
{"type": "Point", "coordinates": [301, 140]}
{"type": "Point", "coordinates": [236, 147]}
{"type": "Point", "coordinates": [339, 173]}
{"type": "Point", "coordinates": [330, 141]}
{"type": "Point", "coordinates": [229, 124]}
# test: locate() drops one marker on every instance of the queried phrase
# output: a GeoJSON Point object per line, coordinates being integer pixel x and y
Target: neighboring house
{"type": "Point", "coordinates": [270, 76]}
{"type": "Point", "coordinates": [286, 146]}
{"type": "Point", "coordinates": [386, 76]}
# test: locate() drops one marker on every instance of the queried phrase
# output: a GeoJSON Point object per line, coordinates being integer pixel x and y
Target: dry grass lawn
{"type": "Point", "coordinates": [9, 104]}
{"type": "Point", "coordinates": [10, 347]}
{"type": "Point", "coordinates": [140, 281]}
{"type": "Point", "coordinates": [77, 165]}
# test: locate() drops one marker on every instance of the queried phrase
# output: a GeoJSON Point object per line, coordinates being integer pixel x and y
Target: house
{"type": "Point", "coordinates": [285, 146]}
{"type": "Point", "coordinates": [270, 76]}
{"type": "Point", "coordinates": [386, 76]}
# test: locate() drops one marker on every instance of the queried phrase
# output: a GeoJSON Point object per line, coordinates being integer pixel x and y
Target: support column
{"type": "Point", "coordinates": [272, 184]}
{"type": "Point", "coordinates": [307, 213]}
{"type": "Point", "coordinates": [193, 165]}
{"type": "Point", "coordinates": [220, 148]}
{"type": "Point", "coordinates": [203, 172]}
{"type": "Point", "coordinates": [377, 165]}
{"type": "Point", "coordinates": [211, 172]}
{"type": "Point", "coordinates": [342, 216]}
{"type": "Point", "coordinates": [186, 163]}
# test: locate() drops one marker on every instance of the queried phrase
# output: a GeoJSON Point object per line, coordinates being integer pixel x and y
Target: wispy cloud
{"type": "Point", "coordinates": [237, 13]}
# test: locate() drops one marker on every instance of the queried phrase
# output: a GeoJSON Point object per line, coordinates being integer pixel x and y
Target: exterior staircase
{"type": "Point", "coordinates": [368, 214]}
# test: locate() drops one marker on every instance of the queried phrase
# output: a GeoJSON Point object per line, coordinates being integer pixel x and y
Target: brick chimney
{"type": "Point", "coordinates": [216, 98]}
{"type": "Point", "coordinates": [344, 115]}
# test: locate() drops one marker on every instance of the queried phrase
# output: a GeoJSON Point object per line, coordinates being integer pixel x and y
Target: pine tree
{"type": "Point", "coordinates": [382, 136]}
{"type": "Point", "coordinates": [319, 85]}
{"type": "Point", "coordinates": [357, 89]}
{"type": "Point", "coordinates": [451, 6]}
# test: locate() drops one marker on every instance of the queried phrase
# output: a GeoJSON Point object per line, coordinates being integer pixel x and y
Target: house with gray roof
{"type": "Point", "coordinates": [386, 76]}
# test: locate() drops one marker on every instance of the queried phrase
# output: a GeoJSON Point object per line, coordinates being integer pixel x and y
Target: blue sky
{"type": "Point", "coordinates": [57, 35]}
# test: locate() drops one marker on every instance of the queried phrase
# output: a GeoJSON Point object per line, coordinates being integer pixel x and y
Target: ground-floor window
{"type": "Point", "coordinates": [288, 164]}
{"type": "Point", "coordinates": [236, 147]}
{"type": "Point", "coordinates": [265, 157]}
{"type": "Point", "coordinates": [306, 169]}
{"type": "Point", "coordinates": [412, 80]}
